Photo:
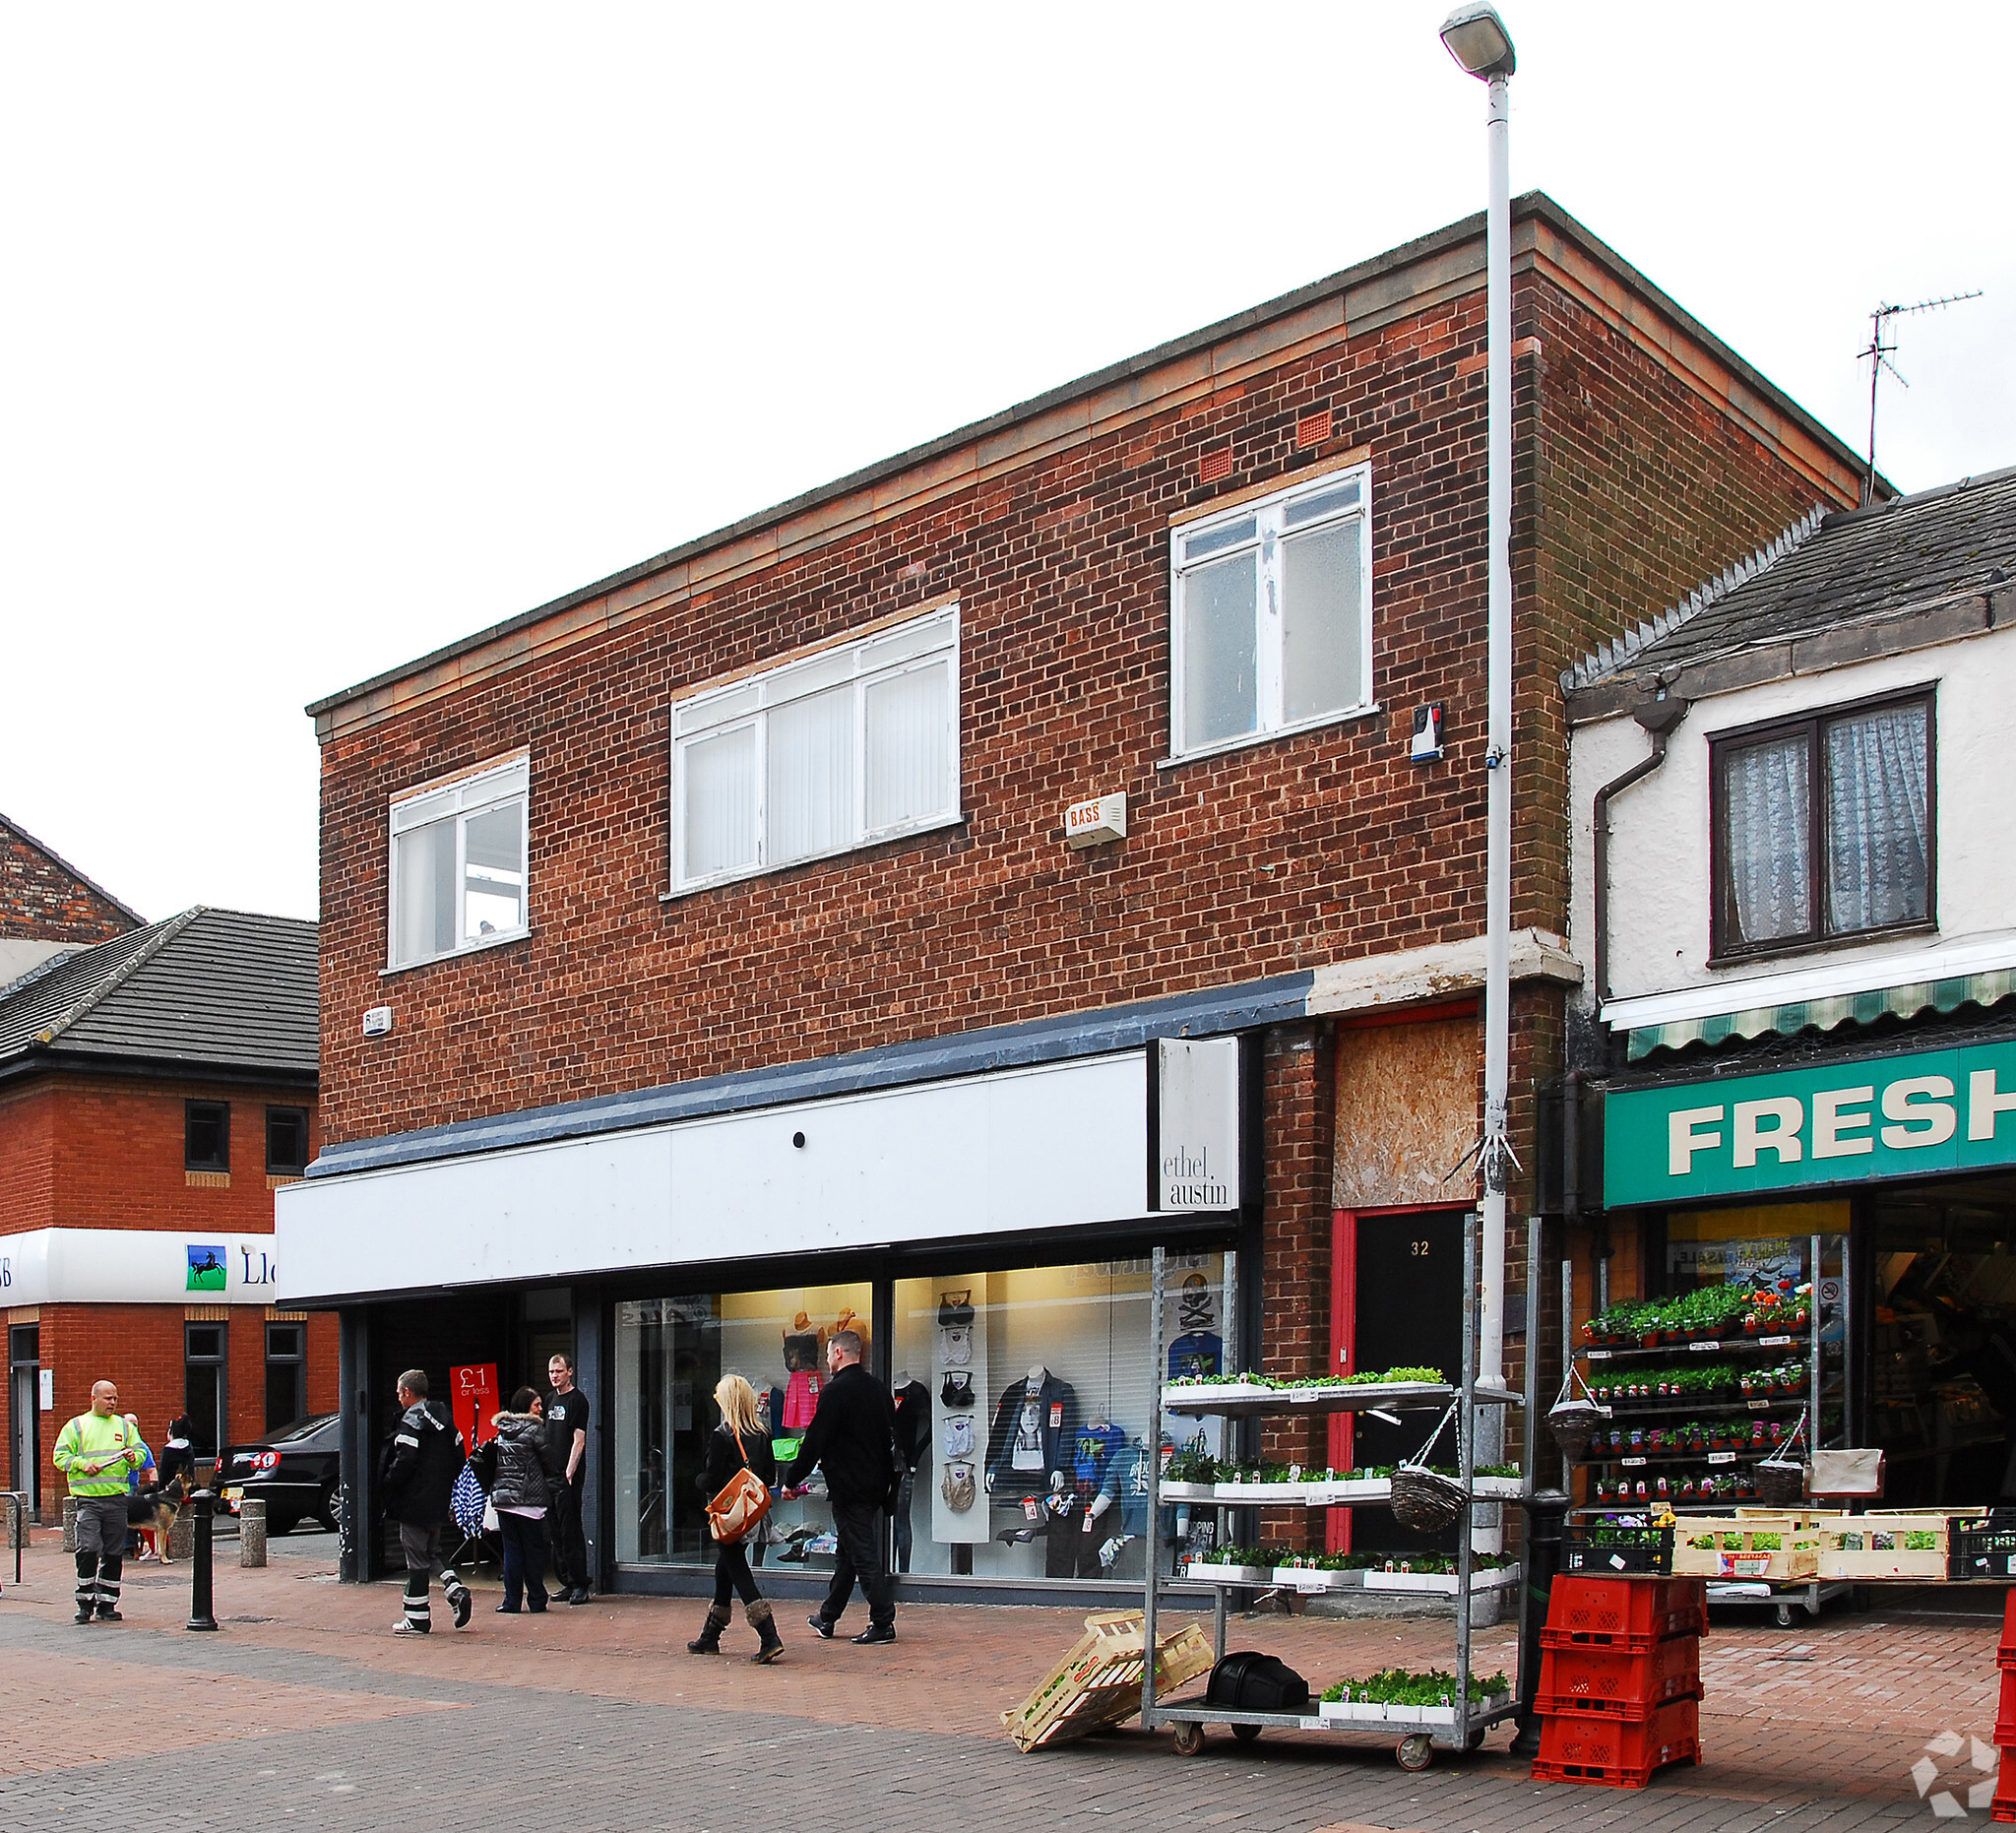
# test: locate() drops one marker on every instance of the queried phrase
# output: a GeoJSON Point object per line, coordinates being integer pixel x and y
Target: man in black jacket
{"type": "Point", "coordinates": [425, 1457]}
{"type": "Point", "coordinates": [851, 1439]}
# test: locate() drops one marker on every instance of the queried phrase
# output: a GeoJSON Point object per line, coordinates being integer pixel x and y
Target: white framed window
{"type": "Point", "coordinates": [855, 744]}
{"type": "Point", "coordinates": [1271, 615]}
{"type": "Point", "coordinates": [458, 863]}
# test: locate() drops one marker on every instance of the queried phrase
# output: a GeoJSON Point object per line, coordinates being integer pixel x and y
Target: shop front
{"type": "Point", "coordinates": [1871, 1182]}
{"type": "Point", "coordinates": [986, 1235]}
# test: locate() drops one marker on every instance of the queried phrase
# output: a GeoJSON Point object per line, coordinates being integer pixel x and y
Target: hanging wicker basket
{"type": "Point", "coordinates": [1425, 1500]}
{"type": "Point", "coordinates": [1781, 1480]}
{"type": "Point", "coordinates": [1573, 1422]}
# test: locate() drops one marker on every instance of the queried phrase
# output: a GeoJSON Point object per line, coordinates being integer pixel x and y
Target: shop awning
{"type": "Point", "coordinates": [1824, 1013]}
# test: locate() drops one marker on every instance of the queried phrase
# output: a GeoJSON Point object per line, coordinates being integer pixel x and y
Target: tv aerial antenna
{"type": "Point", "coordinates": [1878, 355]}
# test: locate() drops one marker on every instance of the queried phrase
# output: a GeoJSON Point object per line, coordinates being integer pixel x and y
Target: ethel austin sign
{"type": "Point", "coordinates": [1897, 1117]}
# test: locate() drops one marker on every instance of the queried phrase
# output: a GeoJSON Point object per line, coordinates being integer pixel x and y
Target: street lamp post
{"type": "Point", "coordinates": [1477, 39]}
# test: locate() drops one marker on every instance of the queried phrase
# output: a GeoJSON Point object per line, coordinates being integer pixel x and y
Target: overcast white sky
{"type": "Point", "coordinates": [334, 334]}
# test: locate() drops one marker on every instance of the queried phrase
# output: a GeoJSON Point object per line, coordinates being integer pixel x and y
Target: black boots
{"type": "Point", "coordinates": [771, 1644]}
{"type": "Point", "coordinates": [707, 1641]}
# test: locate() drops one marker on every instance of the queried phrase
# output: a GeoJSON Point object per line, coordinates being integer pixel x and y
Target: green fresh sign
{"type": "Point", "coordinates": [1903, 1116]}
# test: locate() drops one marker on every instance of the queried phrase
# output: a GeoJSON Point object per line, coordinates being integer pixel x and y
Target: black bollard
{"type": "Point", "coordinates": [1546, 1510]}
{"type": "Point", "coordinates": [200, 1618]}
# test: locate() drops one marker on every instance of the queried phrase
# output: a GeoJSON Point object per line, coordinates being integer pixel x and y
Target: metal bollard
{"type": "Point", "coordinates": [200, 1617]}
{"type": "Point", "coordinates": [1546, 1510]}
{"type": "Point", "coordinates": [70, 1524]}
{"type": "Point", "coordinates": [17, 1526]}
{"type": "Point", "coordinates": [252, 1531]}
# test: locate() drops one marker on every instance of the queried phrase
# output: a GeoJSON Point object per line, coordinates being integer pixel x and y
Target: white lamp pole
{"type": "Point", "coordinates": [1477, 39]}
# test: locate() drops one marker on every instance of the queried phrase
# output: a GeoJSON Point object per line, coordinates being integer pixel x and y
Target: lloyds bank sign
{"type": "Point", "coordinates": [1901, 1116]}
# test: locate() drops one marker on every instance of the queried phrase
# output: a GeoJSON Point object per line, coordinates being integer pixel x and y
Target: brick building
{"type": "Point", "coordinates": [724, 947]}
{"type": "Point", "coordinates": [156, 1089]}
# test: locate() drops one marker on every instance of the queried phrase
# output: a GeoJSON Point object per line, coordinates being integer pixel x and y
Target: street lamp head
{"type": "Point", "coordinates": [1477, 39]}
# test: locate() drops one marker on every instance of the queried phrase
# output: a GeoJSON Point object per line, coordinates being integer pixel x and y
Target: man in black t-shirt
{"type": "Point", "coordinates": [566, 1415]}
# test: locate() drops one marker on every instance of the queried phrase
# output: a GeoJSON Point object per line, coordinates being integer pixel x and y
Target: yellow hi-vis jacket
{"type": "Point", "coordinates": [110, 1445]}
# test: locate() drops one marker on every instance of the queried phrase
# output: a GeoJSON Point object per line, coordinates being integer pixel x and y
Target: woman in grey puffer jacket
{"type": "Point", "coordinates": [521, 1499]}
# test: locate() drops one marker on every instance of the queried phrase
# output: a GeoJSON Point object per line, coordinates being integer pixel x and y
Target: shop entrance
{"type": "Point", "coordinates": [1397, 1302]}
{"type": "Point", "coordinates": [1942, 1364]}
{"type": "Point", "coordinates": [24, 1378]}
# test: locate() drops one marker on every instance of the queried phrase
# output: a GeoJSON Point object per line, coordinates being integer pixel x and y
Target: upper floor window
{"type": "Point", "coordinates": [1271, 626]}
{"type": "Point", "coordinates": [286, 1141]}
{"type": "Point", "coordinates": [1823, 826]}
{"type": "Point", "coordinates": [458, 863]}
{"type": "Point", "coordinates": [207, 1135]}
{"type": "Point", "coordinates": [853, 744]}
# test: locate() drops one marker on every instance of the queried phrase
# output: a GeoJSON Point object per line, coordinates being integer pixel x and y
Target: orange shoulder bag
{"type": "Point", "coordinates": [743, 1500]}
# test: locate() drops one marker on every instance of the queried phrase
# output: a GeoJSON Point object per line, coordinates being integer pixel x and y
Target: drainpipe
{"type": "Point", "coordinates": [1659, 715]}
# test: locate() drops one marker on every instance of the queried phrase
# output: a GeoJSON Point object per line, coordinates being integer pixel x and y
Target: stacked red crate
{"type": "Point", "coordinates": [2003, 1806]}
{"type": "Point", "coordinates": [1620, 1679]}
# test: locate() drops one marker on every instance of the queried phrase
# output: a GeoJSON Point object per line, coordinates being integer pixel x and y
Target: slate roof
{"type": "Point", "coordinates": [1833, 588]}
{"type": "Point", "coordinates": [210, 988]}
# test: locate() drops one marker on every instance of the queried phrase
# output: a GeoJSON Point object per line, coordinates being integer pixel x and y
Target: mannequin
{"type": "Point", "coordinates": [912, 1402]}
{"type": "Point", "coordinates": [1035, 1434]}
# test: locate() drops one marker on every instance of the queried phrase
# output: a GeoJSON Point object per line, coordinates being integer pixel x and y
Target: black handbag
{"type": "Point", "coordinates": [956, 1396]}
{"type": "Point", "coordinates": [954, 1308]}
{"type": "Point", "coordinates": [1250, 1682]}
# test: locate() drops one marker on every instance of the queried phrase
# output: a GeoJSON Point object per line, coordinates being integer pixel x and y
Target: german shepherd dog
{"type": "Point", "coordinates": [163, 1504]}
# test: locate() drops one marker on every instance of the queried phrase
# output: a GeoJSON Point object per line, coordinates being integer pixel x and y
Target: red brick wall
{"type": "Point", "coordinates": [99, 1153]}
{"type": "Point", "coordinates": [42, 900]}
{"type": "Point", "coordinates": [141, 1348]}
{"type": "Point", "coordinates": [1295, 852]}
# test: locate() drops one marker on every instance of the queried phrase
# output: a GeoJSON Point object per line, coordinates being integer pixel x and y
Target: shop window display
{"type": "Point", "coordinates": [670, 1354]}
{"type": "Point", "coordinates": [1034, 1464]}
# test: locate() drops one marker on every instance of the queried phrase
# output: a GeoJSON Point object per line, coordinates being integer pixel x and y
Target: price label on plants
{"type": "Point", "coordinates": [1598, 1355]}
{"type": "Point", "coordinates": [1774, 1342]}
{"type": "Point", "coordinates": [1632, 1463]}
{"type": "Point", "coordinates": [1704, 1348]}
{"type": "Point", "coordinates": [1721, 1457]}
{"type": "Point", "coordinates": [1760, 1406]}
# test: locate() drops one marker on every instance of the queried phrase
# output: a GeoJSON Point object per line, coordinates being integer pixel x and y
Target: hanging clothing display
{"type": "Point", "coordinates": [1035, 1435]}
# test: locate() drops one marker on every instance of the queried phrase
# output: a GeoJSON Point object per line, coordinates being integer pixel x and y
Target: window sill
{"type": "Point", "coordinates": [1245, 741]}
{"type": "Point", "coordinates": [456, 954]}
{"type": "Point", "coordinates": [1855, 939]}
{"type": "Point", "coordinates": [937, 825]}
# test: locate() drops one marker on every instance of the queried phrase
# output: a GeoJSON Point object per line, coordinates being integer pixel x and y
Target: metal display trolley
{"type": "Point", "coordinates": [1823, 1384]}
{"type": "Point", "coordinates": [1460, 1726]}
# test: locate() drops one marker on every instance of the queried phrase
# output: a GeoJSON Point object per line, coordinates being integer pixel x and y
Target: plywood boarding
{"type": "Point", "coordinates": [1407, 1109]}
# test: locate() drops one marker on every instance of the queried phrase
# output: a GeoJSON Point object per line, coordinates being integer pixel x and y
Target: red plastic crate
{"type": "Point", "coordinates": [1616, 1751]}
{"type": "Point", "coordinates": [1645, 1608]}
{"type": "Point", "coordinates": [1623, 1683]}
{"type": "Point", "coordinates": [2005, 1719]}
{"type": "Point", "coordinates": [1686, 1626]}
{"type": "Point", "coordinates": [2009, 1621]}
{"type": "Point", "coordinates": [2003, 1806]}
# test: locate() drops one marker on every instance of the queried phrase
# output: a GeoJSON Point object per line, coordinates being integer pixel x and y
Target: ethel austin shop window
{"type": "Point", "coordinates": [1023, 1402]}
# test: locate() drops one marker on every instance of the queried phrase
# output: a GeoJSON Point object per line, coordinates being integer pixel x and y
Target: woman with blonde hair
{"type": "Point", "coordinates": [738, 1442]}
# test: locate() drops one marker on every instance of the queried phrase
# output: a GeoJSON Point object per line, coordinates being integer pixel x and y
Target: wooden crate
{"type": "Point", "coordinates": [1097, 1683]}
{"type": "Point", "coordinates": [1879, 1544]}
{"type": "Point", "coordinates": [1751, 1545]}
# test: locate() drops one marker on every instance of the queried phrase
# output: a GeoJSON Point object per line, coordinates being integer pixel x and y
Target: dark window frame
{"type": "Point", "coordinates": [1723, 948]}
{"type": "Point", "coordinates": [219, 1366]}
{"type": "Point", "coordinates": [219, 1109]}
{"type": "Point", "coordinates": [274, 1168]}
{"type": "Point", "coordinates": [296, 1362]}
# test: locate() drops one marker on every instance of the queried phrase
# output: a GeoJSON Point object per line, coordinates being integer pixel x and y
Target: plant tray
{"type": "Point", "coordinates": [1239, 1396]}
{"type": "Point", "coordinates": [1314, 1580]}
{"type": "Point", "coordinates": [1189, 1492]}
{"type": "Point", "coordinates": [1981, 1547]}
{"type": "Point", "coordinates": [1097, 1683]}
{"type": "Point", "coordinates": [1189, 1397]}
{"type": "Point", "coordinates": [1441, 1584]}
{"type": "Point", "coordinates": [1376, 1712]}
{"type": "Point", "coordinates": [1600, 1551]}
{"type": "Point", "coordinates": [1740, 1546]}
{"type": "Point", "coordinates": [1210, 1573]}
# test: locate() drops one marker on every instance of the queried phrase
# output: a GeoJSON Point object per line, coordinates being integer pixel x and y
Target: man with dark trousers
{"type": "Point", "coordinates": [851, 1439]}
{"type": "Point", "coordinates": [566, 1417]}
{"type": "Point", "coordinates": [422, 1460]}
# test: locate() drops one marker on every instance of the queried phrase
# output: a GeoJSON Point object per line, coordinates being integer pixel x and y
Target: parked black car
{"type": "Point", "coordinates": [294, 1470]}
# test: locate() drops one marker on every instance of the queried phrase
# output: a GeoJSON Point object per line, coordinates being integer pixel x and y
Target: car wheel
{"type": "Point", "coordinates": [325, 1510]}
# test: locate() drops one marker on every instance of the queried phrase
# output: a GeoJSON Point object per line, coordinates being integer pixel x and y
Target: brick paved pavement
{"type": "Point", "coordinates": [305, 1708]}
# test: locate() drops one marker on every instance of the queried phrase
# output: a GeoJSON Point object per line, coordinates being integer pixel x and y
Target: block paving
{"type": "Point", "coordinates": [304, 1707]}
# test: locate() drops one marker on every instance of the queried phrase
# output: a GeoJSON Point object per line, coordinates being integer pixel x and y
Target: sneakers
{"type": "Point", "coordinates": [876, 1632]}
{"type": "Point", "coordinates": [820, 1628]}
{"type": "Point", "coordinates": [404, 1628]}
{"type": "Point", "coordinates": [462, 1603]}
